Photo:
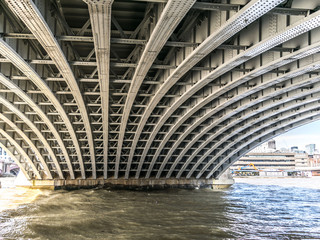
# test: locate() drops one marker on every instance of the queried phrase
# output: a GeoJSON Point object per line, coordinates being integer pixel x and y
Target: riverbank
{"type": "Point", "coordinates": [310, 182]}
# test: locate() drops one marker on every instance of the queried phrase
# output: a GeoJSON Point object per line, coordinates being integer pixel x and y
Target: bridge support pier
{"type": "Point", "coordinates": [136, 184]}
{"type": "Point", "coordinates": [224, 181]}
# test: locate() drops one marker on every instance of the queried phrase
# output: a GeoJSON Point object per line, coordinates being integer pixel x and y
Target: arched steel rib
{"type": "Point", "coordinates": [222, 106]}
{"type": "Point", "coordinates": [244, 17]}
{"type": "Point", "coordinates": [19, 92]}
{"type": "Point", "coordinates": [245, 78]}
{"type": "Point", "coordinates": [291, 87]}
{"type": "Point", "coordinates": [307, 109]}
{"type": "Point", "coordinates": [29, 142]}
{"type": "Point", "coordinates": [253, 122]}
{"type": "Point", "coordinates": [20, 150]}
{"type": "Point", "coordinates": [100, 17]}
{"type": "Point", "coordinates": [171, 16]}
{"type": "Point", "coordinates": [303, 119]}
{"type": "Point", "coordinates": [34, 128]}
{"type": "Point", "coordinates": [15, 156]}
{"type": "Point", "coordinates": [282, 108]}
{"type": "Point", "coordinates": [232, 84]}
{"type": "Point", "coordinates": [243, 107]}
{"type": "Point", "coordinates": [263, 139]}
{"type": "Point", "coordinates": [16, 60]}
{"type": "Point", "coordinates": [30, 15]}
{"type": "Point", "coordinates": [241, 95]}
{"type": "Point", "coordinates": [290, 32]}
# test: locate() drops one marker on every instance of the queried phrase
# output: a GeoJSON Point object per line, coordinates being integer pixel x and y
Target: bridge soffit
{"type": "Point", "coordinates": [153, 89]}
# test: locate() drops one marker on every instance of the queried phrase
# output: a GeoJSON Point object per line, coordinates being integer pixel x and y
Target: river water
{"type": "Point", "coordinates": [250, 209]}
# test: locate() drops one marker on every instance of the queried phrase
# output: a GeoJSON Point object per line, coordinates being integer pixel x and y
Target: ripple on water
{"type": "Point", "coordinates": [245, 211]}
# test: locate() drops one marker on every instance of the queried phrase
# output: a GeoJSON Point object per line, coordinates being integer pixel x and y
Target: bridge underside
{"type": "Point", "coordinates": [152, 89]}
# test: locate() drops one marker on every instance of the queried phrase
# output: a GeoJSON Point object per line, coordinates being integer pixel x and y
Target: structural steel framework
{"type": "Point", "coordinates": [152, 88]}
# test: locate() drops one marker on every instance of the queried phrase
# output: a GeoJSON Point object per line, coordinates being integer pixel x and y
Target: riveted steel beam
{"type": "Point", "coordinates": [15, 156]}
{"type": "Point", "coordinates": [235, 7]}
{"type": "Point", "coordinates": [177, 94]}
{"type": "Point", "coordinates": [307, 51]}
{"type": "Point", "coordinates": [171, 16]}
{"type": "Point", "coordinates": [30, 15]}
{"type": "Point", "coordinates": [284, 99]}
{"type": "Point", "coordinates": [31, 143]}
{"type": "Point", "coordinates": [10, 137]}
{"type": "Point", "coordinates": [289, 106]}
{"type": "Point", "coordinates": [230, 113]}
{"type": "Point", "coordinates": [291, 31]}
{"type": "Point", "coordinates": [100, 17]}
{"type": "Point", "coordinates": [244, 17]}
{"type": "Point", "coordinates": [19, 92]}
{"type": "Point", "coordinates": [289, 102]}
{"type": "Point", "coordinates": [32, 126]}
{"type": "Point", "coordinates": [268, 133]}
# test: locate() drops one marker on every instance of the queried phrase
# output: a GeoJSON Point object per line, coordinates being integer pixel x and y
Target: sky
{"type": "Point", "coordinates": [301, 136]}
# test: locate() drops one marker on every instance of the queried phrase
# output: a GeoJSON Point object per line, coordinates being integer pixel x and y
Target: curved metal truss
{"type": "Point", "coordinates": [152, 89]}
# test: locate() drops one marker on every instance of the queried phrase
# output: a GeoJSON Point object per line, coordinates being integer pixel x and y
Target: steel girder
{"type": "Point", "coordinates": [100, 18]}
{"type": "Point", "coordinates": [169, 20]}
{"type": "Point", "coordinates": [268, 133]}
{"type": "Point", "coordinates": [227, 102]}
{"type": "Point", "coordinates": [30, 15]}
{"type": "Point", "coordinates": [169, 88]}
{"type": "Point", "coordinates": [266, 105]}
{"type": "Point", "coordinates": [248, 14]}
{"type": "Point", "coordinates": [16, 156]}
{"type": "Point", "coordinates": [15, 59]}
{"type": "Point", "coordinates": [37, 132]}
{"type": "Point", "coordinates": [252, 119]}
{"type": "Point", "coordinates": [32, 143]}
{"type": "Point", "coordinates": [273, 41]}
{"type": "Point", "coordinates": [17, 144]}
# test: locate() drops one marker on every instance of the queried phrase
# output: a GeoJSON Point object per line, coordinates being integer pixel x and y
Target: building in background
{"type": "Point", "coordinates": [314, 160]}
{"type": "Point", "coordinates": [301, 160]}
{"type": "Point", "coordinates": [267, 147]}
{"type": "Point", "coordinates": [272, 144]}
{"type": "Point", "coordinates": [266, 160]}
{"type": "Point", "coordinates": [311, 148]}
{"type": "Point", "coordinates": [284, 149]}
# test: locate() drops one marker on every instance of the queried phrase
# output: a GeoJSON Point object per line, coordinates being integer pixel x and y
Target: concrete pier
{"type": "Point", "coordinates": [131, 184]}
{"type": "Point", "coordinates": [224, 181]}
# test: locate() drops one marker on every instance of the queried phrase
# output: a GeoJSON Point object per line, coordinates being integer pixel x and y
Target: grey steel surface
{"type": "Point", "coordinates": [152, 89]}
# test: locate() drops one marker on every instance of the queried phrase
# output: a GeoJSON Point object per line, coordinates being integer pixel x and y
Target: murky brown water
{"type": "Point", "coordinates": [251, 209]}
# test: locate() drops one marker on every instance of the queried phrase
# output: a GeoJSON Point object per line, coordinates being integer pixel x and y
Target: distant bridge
{"type": "Point", "coordinates": [152, 89]}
